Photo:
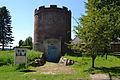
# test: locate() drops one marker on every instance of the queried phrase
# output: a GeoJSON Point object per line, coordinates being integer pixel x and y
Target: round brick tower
{"type": "Point", "coordinates": [52, 23]}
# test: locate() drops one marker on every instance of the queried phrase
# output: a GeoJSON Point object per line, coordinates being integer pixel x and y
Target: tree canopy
{"type": "Point", "coordinates": [27, 42]}
{"type": "Point", "coordinates": [99, 27]}
{"type": "Point", "coordinates": [21, 42]}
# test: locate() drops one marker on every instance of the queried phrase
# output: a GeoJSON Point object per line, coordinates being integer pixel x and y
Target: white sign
{"type": "Point", "coordinates": [20, 55]}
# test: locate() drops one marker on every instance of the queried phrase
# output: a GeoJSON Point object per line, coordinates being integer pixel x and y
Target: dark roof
{"type": "Point", "coordinates": [115, 43]}
{"type": "Point", "coordinates": [76, 40]}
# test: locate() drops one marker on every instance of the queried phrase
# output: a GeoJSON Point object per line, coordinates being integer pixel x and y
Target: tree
{"type": "Point", "coordinates": [21, 42]}
{"type": "Point", "coordinates": [5, 27]}
{"type": "Point", "coordinates": [99, 27]}
{"type": "Point", "coordinates": [28, 42]}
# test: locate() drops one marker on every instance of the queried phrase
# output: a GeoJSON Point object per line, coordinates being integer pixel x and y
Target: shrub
{"type": "Point", "coordinates": [28, 47]}
{"type": "Point", "coordinates": [6, 57]}
{"type": "Point", "coordinates": [32, 55]}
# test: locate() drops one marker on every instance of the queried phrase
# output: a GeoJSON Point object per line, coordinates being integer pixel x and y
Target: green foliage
{"type": "Point", "coordinates": [99, 27]}
{"type": "Point", "coordinates": [28, 47]}
{"type": "Point", "coordinates": [6, 57]}
{"type": "Point", "coordinates": [21, 42]}
{"type": "Point", "coordinates": [33, 55]}
{"type": "Point", "coordinates": [6, 68]}
{"type": "Point", "coordinates": [5, 27]}
{"type": "Point", "coordinates": [27, 42]}
{"type": "Point", "coordinates": [20, 66]}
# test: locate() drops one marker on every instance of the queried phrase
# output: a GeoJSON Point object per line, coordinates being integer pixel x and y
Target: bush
{"type": "Point", "coordinates": [6, 57]}
{"type": "Point", "coordinates": [32, 55]}
{"type": "Point", "coordinates": [28, 47]}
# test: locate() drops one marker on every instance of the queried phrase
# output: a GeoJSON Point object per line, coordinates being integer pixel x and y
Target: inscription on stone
{"type": "Point", "coordinates": [20, 55]}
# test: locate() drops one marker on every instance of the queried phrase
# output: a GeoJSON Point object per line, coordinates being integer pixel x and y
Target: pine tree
{"type": "Point", "coordinates": [5, 27]}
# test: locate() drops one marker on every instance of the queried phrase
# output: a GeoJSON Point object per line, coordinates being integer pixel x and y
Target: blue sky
{"type": "Point", "coordinates": [22, 12]}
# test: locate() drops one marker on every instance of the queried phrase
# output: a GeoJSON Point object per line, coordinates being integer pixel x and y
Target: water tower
{"type": "Point", "coordinates": [52, 30]}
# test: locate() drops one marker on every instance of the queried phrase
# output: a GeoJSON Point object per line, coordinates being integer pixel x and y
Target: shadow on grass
{"type": "Point", "coordinates": [79, 54]}
{"type": "Point", "coordinates": [27, 71]}
{"type": "Point", "coordinates": [112, 71]}
{"type": "Point", "coordinates": [115, 54]}
{"type": "Point", "coordinates": [2, 63]}
{"type": "Point", "coordinates": [118, 56]}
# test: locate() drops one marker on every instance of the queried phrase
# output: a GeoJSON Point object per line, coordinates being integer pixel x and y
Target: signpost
{"type": "Point", "coordinates": [20, 56]}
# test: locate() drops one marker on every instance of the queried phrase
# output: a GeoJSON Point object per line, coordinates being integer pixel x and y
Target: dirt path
{"type": "Point", "coordinates": [52, 68]}
{"type": "Point", "coordinates": [101, 77]}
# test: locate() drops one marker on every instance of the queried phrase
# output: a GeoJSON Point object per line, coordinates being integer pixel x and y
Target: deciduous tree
{"type": "Point", "coordinates": [28, 42]}
{"type": "Point", "coordinates": [21, 42]}
{"type": "Point", "coordinates": [99, 27]}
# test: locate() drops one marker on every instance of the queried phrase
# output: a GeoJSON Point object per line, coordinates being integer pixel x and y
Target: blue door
{"type": "Point", "coordinates": [52, 54]}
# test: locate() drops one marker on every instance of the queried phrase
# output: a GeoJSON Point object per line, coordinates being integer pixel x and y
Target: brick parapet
{"type": "Point", "coordinates": [52, 8]}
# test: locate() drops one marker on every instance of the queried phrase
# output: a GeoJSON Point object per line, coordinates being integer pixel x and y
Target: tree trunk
{"type": "Point", "coordinates": [3, 46]}
{"type": "Point", "coordinates": [106, 56]}
{"type": "Point", "coordinates": [93, 60]}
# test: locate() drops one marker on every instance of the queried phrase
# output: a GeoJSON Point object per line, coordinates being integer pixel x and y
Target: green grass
{"type": "Point", "coordinates": [82, 66]}
{"type": "Point", "coordinates": [7, 57]}
{"type": "Point", "coordinates": [32, 55]}
{"type": "Point", "coordinates": [22, 76]}
{"type": "Point", "coordinates": [8, 72]}
{"type": "Point", "coordinates": [109, 66]}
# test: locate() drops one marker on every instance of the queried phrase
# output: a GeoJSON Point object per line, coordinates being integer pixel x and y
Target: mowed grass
{"type": "Point", "coordinates": [8, 72]}
{"type": "Point", "coordinates": [21, 76]}
{"type": "Point", "coordinates": [82, 66]}
{"type": "Point", "coordinates": [109, 66]}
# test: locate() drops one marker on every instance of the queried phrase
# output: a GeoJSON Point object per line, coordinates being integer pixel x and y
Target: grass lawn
{"type": "Point", "coordinates": [109, 66]}
{"type": "Point", "coordinates": [82, 66]}
{"type": "Point", "coordinates": [9, 73]}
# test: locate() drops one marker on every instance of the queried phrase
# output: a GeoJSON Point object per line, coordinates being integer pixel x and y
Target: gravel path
{"type": "Point", "coordinates": [52, 68]}
{"type": "Point", "coordinates": [101, 77]}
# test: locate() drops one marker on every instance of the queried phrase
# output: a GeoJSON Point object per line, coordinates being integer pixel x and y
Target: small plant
{"type": "Point", "coordinates": [20, 66]}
